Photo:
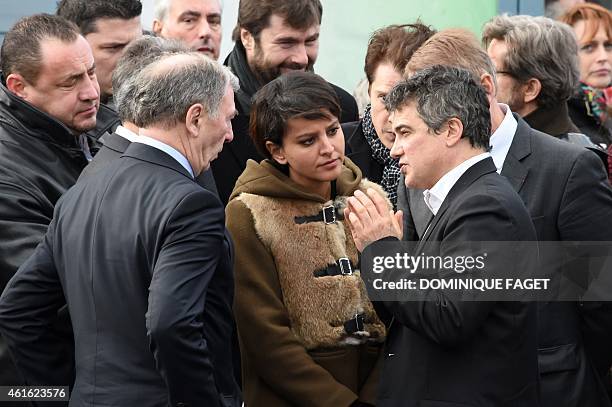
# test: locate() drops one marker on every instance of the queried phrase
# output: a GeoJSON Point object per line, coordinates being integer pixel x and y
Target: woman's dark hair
{"type": "Point", "coordinates": [293, 95]}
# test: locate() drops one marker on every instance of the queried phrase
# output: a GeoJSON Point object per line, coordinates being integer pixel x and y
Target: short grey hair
{"type": "Point", "coordinates": [441, 93]}
{"type": "Point", "coordinates": [138, 54]}
{"type": "Point", "coordinates": [540, 48]}
{"type": "Point", "coordinates": [161, 8]}
{"type": "Point", "coordinates": [166, 88]}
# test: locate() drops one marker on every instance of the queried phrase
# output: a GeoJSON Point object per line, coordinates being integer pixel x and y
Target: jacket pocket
{"type": "Point", "coordinates": [558, 358]}
{"type": "Point", "coordinates": [342, 364]}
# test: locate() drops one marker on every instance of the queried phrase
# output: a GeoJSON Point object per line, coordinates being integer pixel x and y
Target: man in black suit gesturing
{"type": "Point", "coordinates": [139, 253]}
{"type": "Point", "coordinates": [441, 350]}
{"type": "Point", "coordinates": [566, 191]}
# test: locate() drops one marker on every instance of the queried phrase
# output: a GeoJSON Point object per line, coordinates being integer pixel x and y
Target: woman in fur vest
{"type": "Point", "coordinates": [308, 333]}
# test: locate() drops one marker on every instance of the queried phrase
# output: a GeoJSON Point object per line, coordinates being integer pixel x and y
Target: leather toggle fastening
{"type": "Point", "coordinates": [355, 324]}
{"type": "Point", "coordinates": [342, 267]}
{"type": "Point", "coordinates": [329, 214]}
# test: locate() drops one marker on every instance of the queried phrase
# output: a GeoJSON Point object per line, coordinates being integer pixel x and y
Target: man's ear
{"type": "Point", "coordinates": [455, 131]}
{"type": "Point", "coordinates": [158, 25]}
{"type": "Point", "coordinates": [194, 118]}
{"type": "Point", "coordinates": [489, 85]}
{"type": "Point", "coordinates": [276, 152]}
{"type": "Point", "coordinates": [247, 40]}
{"type": "Point", "coordinates": [531, 90]}
{"type": "Point", "coordinates": [17, 85]}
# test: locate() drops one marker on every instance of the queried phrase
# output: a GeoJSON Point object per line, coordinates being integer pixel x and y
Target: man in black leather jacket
{"type": "Point", "coordinates": [49, 97]}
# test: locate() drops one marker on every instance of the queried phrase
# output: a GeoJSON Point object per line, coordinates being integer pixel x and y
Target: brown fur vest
{"type": "Point", "coordinates": [318, 306]}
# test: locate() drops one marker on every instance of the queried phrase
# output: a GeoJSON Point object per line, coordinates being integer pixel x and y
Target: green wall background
{"type": "Point", "coordinates": [348, 24]}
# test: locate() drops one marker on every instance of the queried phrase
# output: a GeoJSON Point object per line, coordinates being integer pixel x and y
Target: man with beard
{"type": "Point", "coordinates": [49, 97]}
{"type": "Point", "coordinates": [272, 37]}
{"type": "Point", "coordinates": [196, 23]}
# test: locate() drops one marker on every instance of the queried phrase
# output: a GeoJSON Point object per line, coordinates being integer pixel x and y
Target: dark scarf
{"type": "Point", "coordinates": [391, 171]}
{"type": "Point", "coordinates": [249, 84]}
{"type": "Point", "coordinates": [553, 120]}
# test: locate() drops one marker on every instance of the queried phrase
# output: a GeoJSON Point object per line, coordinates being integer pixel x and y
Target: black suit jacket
{"type": "Point", "coordinates": [443, 351]}
{"type": "Point", "coordinates": [113, 147]}
{"type": "Point", "coordinates": [566, 192]}
{"type": "Point", "coordinates": [140, 254]}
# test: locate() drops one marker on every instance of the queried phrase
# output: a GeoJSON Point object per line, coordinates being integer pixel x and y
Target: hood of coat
{"type": "Point", "coordinates": [266, 179]}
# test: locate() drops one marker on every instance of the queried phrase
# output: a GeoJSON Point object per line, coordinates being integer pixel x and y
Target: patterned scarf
{"type": "Point", "coordinates": [391, 172]}
{"type": "Point", "coordinates": [595, 102]}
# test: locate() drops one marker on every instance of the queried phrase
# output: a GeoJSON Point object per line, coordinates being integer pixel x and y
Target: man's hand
{"type": "Point", "coordinates": [370, 218]}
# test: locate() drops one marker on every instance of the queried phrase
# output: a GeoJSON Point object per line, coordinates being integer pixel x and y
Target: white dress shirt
{"type": "Point", "coordinates": [437, 194]}
{"type": "Point", "coordinates": [501, 140]}
{"type": "Point", "coordinates": [126, 133]}
{"type": "Point", "coordinates": [171, 151]}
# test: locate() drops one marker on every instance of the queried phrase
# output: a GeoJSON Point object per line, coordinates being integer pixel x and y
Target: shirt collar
{"type": "Point", "coordinates": [501, 139]}
{"type": "Point", "coordinates": [171, 151]}
{"type": "Point", "coordinates": [437, 194]}
{"type": "Point", "coordinates": [126, 133]}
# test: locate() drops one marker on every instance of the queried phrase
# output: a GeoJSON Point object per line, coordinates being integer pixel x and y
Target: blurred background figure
{"type": "Point", "coordinates": [108, 27]}
{"type": "Point", "coordinates": [555, 8]}
{"type": "Point", "coordinates": [361, 95]}
{"type": "Point", "coordinates": [590, 107]}
{"type": "Point", "coordinates": [197, 23]}
{"type": "Point", "coordinates": [536, 62]}
{"type": "Point", "coordinates": [370, 139]}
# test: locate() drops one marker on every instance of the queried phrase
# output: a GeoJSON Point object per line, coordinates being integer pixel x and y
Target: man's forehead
{"type": "Point", "coordinates": [111, 30]}
{"type": "Point", "coordinates": [278, 27]}
{"type": "Point", "coordinates": [405, 114]}
{"type": "Point", "coordinates": [178, 7]}
{"type": "Point", "coordinates": [60, 58]}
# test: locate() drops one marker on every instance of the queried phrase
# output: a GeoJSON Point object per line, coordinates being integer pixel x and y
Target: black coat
{"type": "Point", "coordinates": [40, 159]}
{"type": "Point", "coordinates": [360, 152]}
{"type": "Point", "coordinates": [140, 255]}
{"type": "Point", "coordinates": [566, 192]}
{"type": "Point", "coordinates": [444, 351]}
{"type": "Point", "coordinates": [599, 133]}
{"type": "Point", "coordinates": [231, 162]}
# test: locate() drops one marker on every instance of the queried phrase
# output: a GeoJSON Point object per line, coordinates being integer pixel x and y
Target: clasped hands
{"type": "Point", "coordinates": [370, 219]}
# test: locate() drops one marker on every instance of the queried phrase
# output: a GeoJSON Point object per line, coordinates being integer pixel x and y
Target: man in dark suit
{"type": "Point", "coordinates": [442, 350]}
{"type": "Point", "coordinates": [565, 190]}
{"type": "Point", "coordinates": [272, 37]}
{"type": "Point", "coordinates": [140, 255]}
{"type": "Point", "coordinates": [137, 55]}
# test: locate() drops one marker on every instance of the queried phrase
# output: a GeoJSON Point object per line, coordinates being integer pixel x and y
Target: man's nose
{"type": "Point", "coordinates": [300, 56]}
{"type": "Point", "coordinates": [396, 150]}
{"type": "Point", "coordinates": [205, 30]}
{"type": "Point", "coordinates": [90, 90]}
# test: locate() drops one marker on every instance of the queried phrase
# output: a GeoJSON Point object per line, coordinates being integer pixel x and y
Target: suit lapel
{"type": "Point", "coordinates": [152, 155]}
{"type": "Point", "coordinates": [514, 169]}
{"type": "Point", "coordinates": [476, 171]}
